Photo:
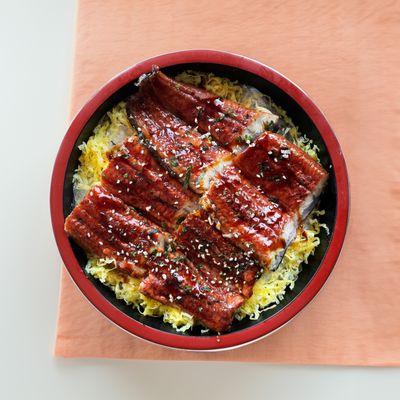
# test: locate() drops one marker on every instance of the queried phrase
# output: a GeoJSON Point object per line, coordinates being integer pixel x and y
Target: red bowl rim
{"type": "Point", "coordinates": [228, 340]}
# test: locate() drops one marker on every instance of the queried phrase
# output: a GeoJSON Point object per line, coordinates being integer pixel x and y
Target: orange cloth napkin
{"type": "Point", "coordinates": [345, 55]}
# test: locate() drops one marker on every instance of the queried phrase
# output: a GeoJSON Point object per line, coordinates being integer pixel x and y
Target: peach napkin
{"type": "Point", "coordinates": [345, 54]}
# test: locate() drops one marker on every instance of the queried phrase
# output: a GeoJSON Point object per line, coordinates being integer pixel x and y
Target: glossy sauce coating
{"type": "Point", "coordinates": [135, 177]}
{"type": "Point", "coordinates": [180, 148]}
{"type": "Point", "coordinates": [106, 228]}
{"type": "Point", "coordinates": [245, 216]}
{"type": "Point", "coordinates": [188, 288]}
{"type": "Point", "coordinates": [225, 263]}
{"type": "Point", "coordinates": [285, 173]}
{"type": "Point", "coordinates": [225, 120]}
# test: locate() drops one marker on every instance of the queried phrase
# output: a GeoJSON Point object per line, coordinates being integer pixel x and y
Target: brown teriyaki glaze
{"type": "Point", "coordinates": [134, 176]}
{"type": "Point", "coordinates": [284, 172]}
{"type": "Point", "coordinates": [224, 119]}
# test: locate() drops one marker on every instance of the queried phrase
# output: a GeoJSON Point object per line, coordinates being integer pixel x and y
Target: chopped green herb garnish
{"type": "Point", "coordinates": [174, 162]}
{"type": "Point", "coordinates": [187, 289]}
{"type": "Point", "coordinates": [248, 138]}
{"type": "Point", "coordinates": [163, 226]}
{"type": "Point", "coordinates": [187, 177]}
{"type": "Point", "coordinates": [179, 259]}
{"type": "Point", "coordinates": [205, 288]}
{"type": "Point", "coordinates": [184, 229]}
{"type": "Point", "coordinates": [172, 247]}
{"type": "Point", "coordinates": [239, 140]}
{"type": "Point", "coordinates": [231, 113]}
{"type": "Point", "coordinates": [180, 220]}
{"type": "Point", "coordinates": [274, 178]}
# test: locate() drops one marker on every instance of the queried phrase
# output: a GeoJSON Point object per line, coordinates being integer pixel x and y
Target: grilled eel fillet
{"type": "Point", "coordinates": [135, 177]}
{"type": "Point", "coordinates": [229, 123]}
{"type": "Point", "coordinates": [284, 172]}
{"type": "Point", "coordinates": [105, 227]}
{"type": "Point", "coordinates": [193, 158]}
{"type": "Point", "coordinates": [248, 219]}
{"type": "Point", "coordinates": [178, 282]}
{"type": "Point", "coordinates": [205, 246]}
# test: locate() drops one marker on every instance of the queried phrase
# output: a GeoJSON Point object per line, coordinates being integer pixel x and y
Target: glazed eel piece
{"type": "Point", "coordinates": [248, 219]}
{"type": "Point", "coordinates": [107, 228]}
{"type": "Point", "coordinates": [229, 123]}
{"type": "Point", "coordinates": [213, 284]}
{"type": "Point", "coordinates": [179, 283]}
{"type": "Point", "coordinates": [134, 176]}
{"type": "Point", "coordinates": [284, 172]}
{"type": "Point", "coordinates": [226, 264]}
{"type": "Point", "coordinates": [191, 157]}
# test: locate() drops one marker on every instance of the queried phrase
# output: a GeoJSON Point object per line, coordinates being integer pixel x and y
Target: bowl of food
{"type": "Point", "coordinates": [199, 200]}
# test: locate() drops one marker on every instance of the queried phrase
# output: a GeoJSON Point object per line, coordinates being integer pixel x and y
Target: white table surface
{"type": "Point", "coordinates": [36, 45]}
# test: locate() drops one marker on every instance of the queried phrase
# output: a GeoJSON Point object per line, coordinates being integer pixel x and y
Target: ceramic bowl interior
{"type": "Point", "coordinates": [299, 117]}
